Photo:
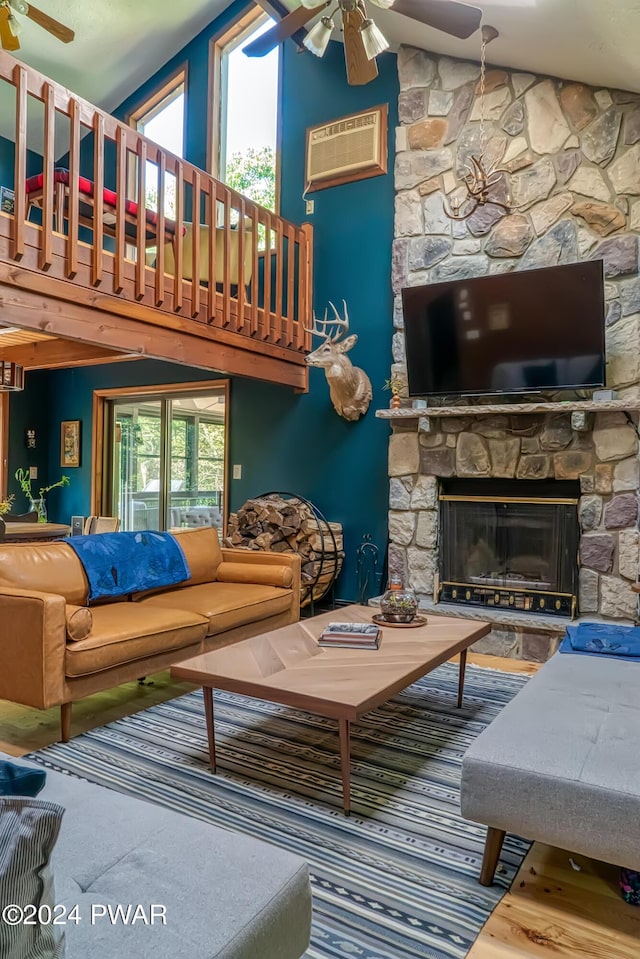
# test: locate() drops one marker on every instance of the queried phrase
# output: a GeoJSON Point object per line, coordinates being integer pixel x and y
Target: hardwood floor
{"type": "Point", "coordinates": [22, 730]}
{"type": "Point", "coordinates": [551, 910]}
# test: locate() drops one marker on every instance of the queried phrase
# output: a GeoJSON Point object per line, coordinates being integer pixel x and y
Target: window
{"type": "Point", "coordinates": [164, 456]}
{"type": "Point", "coordinates": [162, 118]}
{"type": "Point", "coordinates": [245, 95]}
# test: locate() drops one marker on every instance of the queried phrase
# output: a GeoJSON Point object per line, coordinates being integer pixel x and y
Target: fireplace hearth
{"type": "Point", "coordinates": [510, 544]}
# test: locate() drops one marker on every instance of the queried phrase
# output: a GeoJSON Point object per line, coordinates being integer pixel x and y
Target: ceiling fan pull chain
{"type": "Point", "coordinates": [483, 51]}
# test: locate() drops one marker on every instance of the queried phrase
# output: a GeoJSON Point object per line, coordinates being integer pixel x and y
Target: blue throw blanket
{"type": "Point", "coordinates": [120, 563]}
{"type": "Point", "coordinates": [602, 639]}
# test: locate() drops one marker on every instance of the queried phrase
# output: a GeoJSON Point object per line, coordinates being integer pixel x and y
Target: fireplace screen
{"type": "Point", "coordinates": [512, 544]}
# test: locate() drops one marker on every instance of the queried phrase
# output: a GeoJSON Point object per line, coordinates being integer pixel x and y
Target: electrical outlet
{"type": "Point", "coordinates": [237, 471]}
{"type": "Point", "coordinates": [33, 472]}
{"type": "Point", "coordinates": [309, 206]}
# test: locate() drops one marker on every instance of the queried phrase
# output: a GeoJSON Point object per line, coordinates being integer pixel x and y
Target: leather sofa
{"type": "Point", "coordinates": [55, 649]}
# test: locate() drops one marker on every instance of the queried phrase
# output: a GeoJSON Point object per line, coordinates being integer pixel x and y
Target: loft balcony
{"type": "Point", "coordinates": [109, 245]}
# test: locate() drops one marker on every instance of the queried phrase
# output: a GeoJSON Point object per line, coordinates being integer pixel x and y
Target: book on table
{"type": "Point", "coordinates": [351, 635]}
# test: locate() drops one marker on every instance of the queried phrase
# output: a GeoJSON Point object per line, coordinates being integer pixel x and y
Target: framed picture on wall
{"type": "Point", "coordinates": [70, 443]}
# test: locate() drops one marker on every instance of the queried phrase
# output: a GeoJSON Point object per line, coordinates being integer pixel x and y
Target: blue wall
{"type": "Point", "coordinates": [285, 441]}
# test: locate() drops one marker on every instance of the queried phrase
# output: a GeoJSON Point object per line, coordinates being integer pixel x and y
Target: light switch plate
{"type": "Point", "coordinates": [237, 471]}
{"type": "Point", "coordinates": [33, 472]}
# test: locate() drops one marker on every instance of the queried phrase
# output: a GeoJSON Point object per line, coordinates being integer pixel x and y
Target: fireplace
{"type": "Point", "coordinates": [511, 544]}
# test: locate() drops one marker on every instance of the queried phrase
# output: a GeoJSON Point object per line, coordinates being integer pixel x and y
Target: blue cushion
{"type": "Point", "coordinates": [20, 780]}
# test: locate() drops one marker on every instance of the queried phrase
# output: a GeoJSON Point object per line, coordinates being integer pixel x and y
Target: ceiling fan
{"type": "Point", "coordinates": [363, 41]}
{"type": "Point", "coordinates": [10, 26]}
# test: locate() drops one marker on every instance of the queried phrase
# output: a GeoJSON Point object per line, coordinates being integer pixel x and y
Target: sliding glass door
{"type": "Point", "coordinates": [167, 459]}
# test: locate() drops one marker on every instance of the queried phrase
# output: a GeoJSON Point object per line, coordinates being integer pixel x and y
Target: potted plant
{"type": "Point", "coordinates": [399, 604]}
{"type": "Point", "coordinates": [394, 383]}
{"type": "Point", "coordinates": [37, 504]}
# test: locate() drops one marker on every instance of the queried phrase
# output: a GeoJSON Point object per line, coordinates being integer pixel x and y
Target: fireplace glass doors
{"type": "Point", "coordinates": [510, 544]}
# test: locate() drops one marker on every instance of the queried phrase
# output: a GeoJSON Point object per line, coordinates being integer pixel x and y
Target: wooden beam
{"type": "Point", "coordinates": [278, 11]}
{"type": "Point", "coordinates": [73, 321]}
{"type": "Point", "coordinates": [59, 354]}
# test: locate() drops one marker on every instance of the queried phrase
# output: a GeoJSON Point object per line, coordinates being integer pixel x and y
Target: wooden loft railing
{"type": "Point", "coordinates": [84, 235]}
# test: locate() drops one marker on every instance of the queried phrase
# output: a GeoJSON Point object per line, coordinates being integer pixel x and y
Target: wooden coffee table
{"type": "Point", "coordinates": [287, 666]}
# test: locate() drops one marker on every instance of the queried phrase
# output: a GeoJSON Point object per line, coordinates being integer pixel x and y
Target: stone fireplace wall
{"type": "Point", "coordinates": [573, 156]}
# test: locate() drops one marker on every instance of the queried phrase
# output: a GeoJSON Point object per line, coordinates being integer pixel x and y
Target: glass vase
{"type": "Point", "coordinates": [40, 507]}
{"type": "Point", "coordinates": [399, 604]}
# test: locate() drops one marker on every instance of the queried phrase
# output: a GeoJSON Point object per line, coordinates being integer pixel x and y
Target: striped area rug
{"type": "Point", "coordinates": [395, 880]}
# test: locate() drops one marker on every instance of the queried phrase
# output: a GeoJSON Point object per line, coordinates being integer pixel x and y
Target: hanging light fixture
{"type": "Point", "coordinates": [373, 39]}
{"type": "Point", "coordinates": [317, 40]}
{"type": "Point", "coordinates": [11, 377]}
{"type": "Point", "coordinates": [481, 175]}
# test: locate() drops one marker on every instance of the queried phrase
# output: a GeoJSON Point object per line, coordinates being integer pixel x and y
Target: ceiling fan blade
{"type": "Point", "coordinates": [360, 69]}
{"type": "Point", "coordinates": [281, 31]}
{"type": "Point", "coordinates": [457, 19]}
{"type": "Point", "coordinates": [52, 26]}
{"type": "Point", "coordinates": [8, 40]}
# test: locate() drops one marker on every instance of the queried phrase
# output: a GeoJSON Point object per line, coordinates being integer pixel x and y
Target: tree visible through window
{"type": "Point", "coordinates": [248, 91]}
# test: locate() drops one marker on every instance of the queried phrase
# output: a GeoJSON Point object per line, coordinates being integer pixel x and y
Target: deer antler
{"type": "Point", "coordinates": [315, 329]}
{"type": "Point", "coordinates": [339, 323]}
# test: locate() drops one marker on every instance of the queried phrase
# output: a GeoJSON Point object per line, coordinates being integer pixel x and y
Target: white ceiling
{"type": "Point", "coordinates": [119, 43]}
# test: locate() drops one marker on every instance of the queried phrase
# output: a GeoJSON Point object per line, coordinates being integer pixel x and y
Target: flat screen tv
{"type": "Point", "coordinates": [519, 332]}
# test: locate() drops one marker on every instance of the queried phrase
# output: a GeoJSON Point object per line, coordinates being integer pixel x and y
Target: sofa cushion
{"type": "Point", "coordinates": [201, 548]}
{"type": "Point", "coordinates": [559, 763]}
{"type": "Point", "coordinates": [79, 620]}
{"type": "Point", "coordinates": [46, 567]}
{"type": "Point", "coordinates": [124, 632]}
{"type": "Point", "coordinates": [225, 605]}
{"type": "Point", "coordinates": [254, 573]}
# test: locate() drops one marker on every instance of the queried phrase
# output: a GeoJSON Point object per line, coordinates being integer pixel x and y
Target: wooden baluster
{"type": "Point", "coordinates": [141, 239]}
{"type": "Point", "coordinates": [178, 241]}
{"type": "Point", "coordinates": [277, 332]}
{"type": "Point", "coordinates": [121, 196]}
{"type": "Point", "coordinates": [291, 282]}
{"type": "Point", "coordinates": [20, 169]}
{"type": "Point", "coordinates": [240, 277]}
{"type": "Point", "coordinates": [98, 190]}
{"type": "Point", "coordinates": [305, 283]}
{"type": "Point", "coordinates": [74, 191]}
{"type": "Point", "coordinates": [213, 219]}
{"type": "Point", "coordinates": [226, 270]}
{"type": "Point", "coordinates": [195, 245]}
{"type": "Point", "coordinates": [162, 160]}
{"type": "Point", "coordinates": [266, 316]}
{"type": "Point", "coordinates": [48, 161]}
{"type": "Point", "coordinates": [255, 267]}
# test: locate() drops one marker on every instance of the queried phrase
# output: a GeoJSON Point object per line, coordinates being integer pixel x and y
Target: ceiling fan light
{"type": "Point", "coordinates": [14, 25]}
{"type": "Point", "coordinates": [373, 39]}
{"type": "Point", "coordinates": [310, 4]}
{"type": "Point", "coordinates": [317, 40]}
{"type": "Point", "coordinates": [385, 4]}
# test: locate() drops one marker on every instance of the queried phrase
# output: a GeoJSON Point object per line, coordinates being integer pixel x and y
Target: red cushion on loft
{"type": "Point", "coordinates": [109, 197]}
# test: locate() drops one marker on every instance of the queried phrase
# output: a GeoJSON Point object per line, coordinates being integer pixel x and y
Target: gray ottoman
{"type": "Point", "coordinates": [560, 763]}
{"type": "Point", "coordinates": [226, 895]}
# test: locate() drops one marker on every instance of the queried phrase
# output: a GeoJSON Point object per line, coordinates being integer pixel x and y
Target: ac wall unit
{"type": "Point", "coordinates": [352, 148]}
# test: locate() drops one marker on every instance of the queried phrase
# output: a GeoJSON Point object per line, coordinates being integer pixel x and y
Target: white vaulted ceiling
{"type": "Point", "coordinates": [119, 43]}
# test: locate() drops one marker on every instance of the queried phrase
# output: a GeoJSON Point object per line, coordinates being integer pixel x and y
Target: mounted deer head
{"type": "Point", "coordinates": [349, 386]}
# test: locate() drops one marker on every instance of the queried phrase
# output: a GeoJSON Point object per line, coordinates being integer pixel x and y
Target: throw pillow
{"type": "Point", "coordinates": [255, 574]}
{"type": "Point", "coordinates": [28, 832]}
{"type": "Point", "coordinates": [20, 780]}
{"type": "Point", "coordinates": [79, 622]}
